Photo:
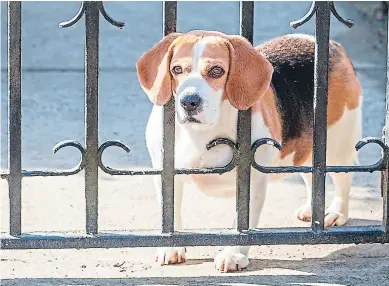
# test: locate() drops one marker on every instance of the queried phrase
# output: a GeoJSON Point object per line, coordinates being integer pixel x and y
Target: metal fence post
{"type": "Point", "coordinates": [385, 185]}
{"type": "Point", "coordinates": [243, 168]}
{"type": "Point", "coordinates": [322, 34]}
{"type": "Point", "coordinates": [15, 116]}
{"type": "Point", "coordinates": [91, 114]}
{"type": "Point", "coordinates": [167, 175]}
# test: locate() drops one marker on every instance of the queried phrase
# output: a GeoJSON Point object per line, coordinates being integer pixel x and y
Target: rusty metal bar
{"type": "Point", "coordinates": [15, 116]}
{"type": "Point", "coordinates": [167, 174]}
{"type": "Point", "coordinates": [243, 168]}
{"type": "Point", "coordinates": [385, 186]}
{"type": "Point", "coordinates": [322, 33]}
{"type": "Point", "coordinates": [287, 236]}
{"type": "Point", "coordinates": [91, 114]}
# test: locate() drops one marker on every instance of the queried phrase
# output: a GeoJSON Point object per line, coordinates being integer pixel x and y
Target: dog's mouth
{"type": "Point", "coordinates": [187, 119]}
{"type": "Point", "coordinates": [192, 120]}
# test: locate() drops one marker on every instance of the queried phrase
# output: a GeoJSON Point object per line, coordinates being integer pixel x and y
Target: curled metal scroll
{"type": "Point", "coordinates": [81, 12]}
{"type": "Point", "coordinates": [215, 170]}
{"type": "Point", "coordinates": [306, 18]}
{"type": "Point", "coordinates": [270, 170]}
{"type": "Point", "coordinates": [77, 145]}
{"type": "Point", "coordinates": [110, 20]}
{"type": "Point", "coordinates": [349, 23]}
{"type": "Point", "coordinates": [75, 19]}
{"type": "Point", "coordinates": [295, 24]}
{"type": "Point", "coordinates": [51, 173]}
{"type": "Point", "coordinates": [112, 171]}
{"type": "Point", "coordinates": [380, 165]}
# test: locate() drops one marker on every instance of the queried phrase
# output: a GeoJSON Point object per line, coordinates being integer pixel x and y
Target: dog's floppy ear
{"type": "Point", "coordinates": [154, 71]}
{"type": "Point", "coordinates": [249, 75]}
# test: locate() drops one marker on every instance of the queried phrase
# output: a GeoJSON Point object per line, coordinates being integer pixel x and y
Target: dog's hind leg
{"type": "Point", "coordinates": [342, 137]}
{"type": "Point", "coordinates": [304, 212]}
{"type": "Point", "coordinates": [338, 211]}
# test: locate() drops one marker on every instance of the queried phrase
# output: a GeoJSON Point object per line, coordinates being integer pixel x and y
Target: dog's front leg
{"type": "Point", "coordinates": [236, 257]}
{"type": "Point", "coordinates": [171, 255]}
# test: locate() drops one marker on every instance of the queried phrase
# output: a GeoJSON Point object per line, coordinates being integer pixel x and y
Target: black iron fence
{"type": "Point", "coordinates": [243, 152]}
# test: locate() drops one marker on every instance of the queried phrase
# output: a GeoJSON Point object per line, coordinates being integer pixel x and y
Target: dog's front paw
{"type": "Point", "coordinates": [335, 218]}
{"type": "Point", "coordinates": [304, 213]}
{"type": "Point", "coordinates": [170, 255]}
{"type": "Point", "coordinates": [336, 213]}
{"type": "Point", "coordinates": [230, 259]}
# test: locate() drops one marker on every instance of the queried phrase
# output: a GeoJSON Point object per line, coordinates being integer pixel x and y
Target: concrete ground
{"type": "Point", "coordinates": [53, 87]}
{"type": "Point", "coordinates": [56, 204]}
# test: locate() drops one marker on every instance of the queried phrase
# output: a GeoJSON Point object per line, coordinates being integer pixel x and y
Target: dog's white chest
{"type": "Point", "coordinates": [192, 154]}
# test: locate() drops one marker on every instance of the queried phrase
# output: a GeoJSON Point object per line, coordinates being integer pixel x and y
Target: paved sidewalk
{"type": "Point", "coordinates": [56, 204]}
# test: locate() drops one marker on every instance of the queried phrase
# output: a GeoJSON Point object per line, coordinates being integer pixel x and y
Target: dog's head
{"type": "Point", "coordinates": [202, 69]}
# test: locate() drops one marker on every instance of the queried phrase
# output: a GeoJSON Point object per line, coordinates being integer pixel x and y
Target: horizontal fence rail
{"type": "Point", "coordinates": [243, 159]}
{"type": "Point", "coordinates": [285, 236]}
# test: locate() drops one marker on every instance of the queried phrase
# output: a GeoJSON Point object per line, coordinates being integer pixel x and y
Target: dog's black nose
{"type": "Point", "coordinates": [191, 102]}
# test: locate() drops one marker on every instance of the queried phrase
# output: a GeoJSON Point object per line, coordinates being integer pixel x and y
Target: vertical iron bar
{"type": "Point", "coordinates": [169, 17]}
{"type": "Point", "coordinates": [322, 34]}
{"type": "Point", "coordinates": [167, 175]}
{"type": "Point", "coordinates": [244, 134]}
{"type": "Point", "coordinates": [384, 183]}
{"type": "Point", "coordinates": [91, 115]}
{"type": "Point", "coordinates": [15, 116]}
{"type": "Point", "coordinates": [385, 186]}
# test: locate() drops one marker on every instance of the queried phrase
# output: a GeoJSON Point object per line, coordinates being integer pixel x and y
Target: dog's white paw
{"type": "Point", "coordinates": [336, 213]}
{"type": "Point", "coordinates": [334, 218]}
{"type": "Point", "coordinates": [230, 259]}
{"type": "Point", "coordinates": [170, 255]}
{"type": "Point", "coordinates": [304, 213]}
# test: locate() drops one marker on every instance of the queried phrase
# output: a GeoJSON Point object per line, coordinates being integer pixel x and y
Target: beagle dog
{"type": "Point", "coordinates": [212, 75]}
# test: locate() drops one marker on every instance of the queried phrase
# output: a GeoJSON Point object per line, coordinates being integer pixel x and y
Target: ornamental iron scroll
{"type": "Point", "coordinates": [378, 166]}
{"type": "Point", "coordinates": [216, 170]}
{"type": "Point", "coordinates": [295, 24]}
{"type": "Point", "coordinates": [81, 12]}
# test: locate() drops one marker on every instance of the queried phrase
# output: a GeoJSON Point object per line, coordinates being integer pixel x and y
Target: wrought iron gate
{"type": "Point", "coordinates": [243, 158]}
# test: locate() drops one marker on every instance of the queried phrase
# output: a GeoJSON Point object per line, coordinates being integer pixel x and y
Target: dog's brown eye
{"type": "Point", "coordinates": [177, 70]}
{"type": "Point", "coordinates": [216, 72]}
